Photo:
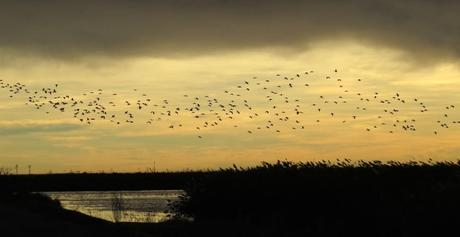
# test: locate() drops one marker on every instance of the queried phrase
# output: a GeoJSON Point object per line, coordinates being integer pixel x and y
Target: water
{"type": "Point", "coordinates": [134, 206]}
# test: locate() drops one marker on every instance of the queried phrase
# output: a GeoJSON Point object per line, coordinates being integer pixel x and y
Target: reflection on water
{"type": "Point", "coordinates": [135, 206]}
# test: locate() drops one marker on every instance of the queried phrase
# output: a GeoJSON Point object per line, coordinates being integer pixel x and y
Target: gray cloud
{"type": "Point", "coordinates": [117, 28]}
{"type": "Point", "coordinates": [16, 129]}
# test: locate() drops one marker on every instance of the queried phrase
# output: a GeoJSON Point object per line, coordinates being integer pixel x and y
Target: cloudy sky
{"type": "Point", "coordinates": [166, 49]}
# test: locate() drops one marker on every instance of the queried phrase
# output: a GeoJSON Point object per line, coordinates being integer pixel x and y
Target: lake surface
{"type": "Point", "coordinates": [124, 206]}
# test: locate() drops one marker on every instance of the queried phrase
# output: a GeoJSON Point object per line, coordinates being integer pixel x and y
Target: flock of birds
{"type": "Point", "coordinates": [262, 103]}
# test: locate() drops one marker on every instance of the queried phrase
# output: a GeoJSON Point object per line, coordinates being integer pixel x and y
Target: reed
{"type": "Point", "coordinates": [117, 205]}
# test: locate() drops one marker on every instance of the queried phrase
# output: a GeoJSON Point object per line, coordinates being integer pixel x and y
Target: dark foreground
{"type": "Point", "coordinates": [282, 199]}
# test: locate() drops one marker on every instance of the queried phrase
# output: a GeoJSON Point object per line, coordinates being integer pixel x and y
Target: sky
{"type": "Point", "coordinates": [164, 50]}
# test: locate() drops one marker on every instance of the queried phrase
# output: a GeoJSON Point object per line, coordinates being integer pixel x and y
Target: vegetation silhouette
{"type": "Point", "coordinates": [342, 198]}
{"type": "Point", "coordinates": [328, 199]}
{"type": "Point", "coordinates": [97, 181]}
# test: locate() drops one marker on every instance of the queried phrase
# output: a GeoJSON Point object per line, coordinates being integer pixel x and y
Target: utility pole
{"type": "Point", "coordinates": [30, 167]}
{"type": "Point", "coordinates": [154, 168]}
{"type": "Point", "coordinates": [17, 168]}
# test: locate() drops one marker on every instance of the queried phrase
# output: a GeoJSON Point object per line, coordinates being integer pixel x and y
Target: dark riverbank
{"type": "Point", "coordinates": [37, 215]}
{"type": "Point", "coordinates": [97, 181]}
{"type": "Point", "coordinates": [28, 214]}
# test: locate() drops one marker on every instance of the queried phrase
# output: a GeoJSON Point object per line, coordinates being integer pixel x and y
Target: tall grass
{"type": "Point", "coordinates": [5, 171]}
{"type": "Point", "coordinates": [329, 198]}
{"type": "Point", "coordinates": [117, 205]}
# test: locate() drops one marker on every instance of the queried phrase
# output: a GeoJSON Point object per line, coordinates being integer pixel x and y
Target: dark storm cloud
{"type": "Point", "coordinates": [69, 29]}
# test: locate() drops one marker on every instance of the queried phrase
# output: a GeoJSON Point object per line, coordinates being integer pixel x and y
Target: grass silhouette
{"type": "Point", "coordinates": [344, 198]}
{"type": "Point", "coordinates": [329, 199]}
